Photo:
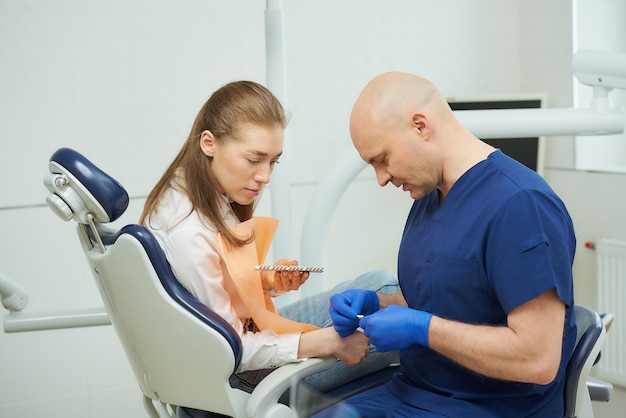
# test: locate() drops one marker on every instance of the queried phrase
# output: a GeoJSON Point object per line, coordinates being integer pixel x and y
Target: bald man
{"type": "Point", "coordinates": [486, 324]}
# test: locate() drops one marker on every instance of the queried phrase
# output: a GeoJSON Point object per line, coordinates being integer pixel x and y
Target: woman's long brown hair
{"type": "Point", "coordinates": [227, 108]}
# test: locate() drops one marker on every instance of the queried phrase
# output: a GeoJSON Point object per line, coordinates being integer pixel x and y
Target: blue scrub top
{"type": "Point", "coordinates": [499, 239]}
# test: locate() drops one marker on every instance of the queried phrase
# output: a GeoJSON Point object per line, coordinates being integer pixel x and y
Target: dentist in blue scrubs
{"type": "Point", "coordinates": [485, 268]}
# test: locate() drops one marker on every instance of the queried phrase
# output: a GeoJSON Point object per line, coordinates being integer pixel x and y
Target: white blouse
{"type": "Point", "coordinates": [192, 249]}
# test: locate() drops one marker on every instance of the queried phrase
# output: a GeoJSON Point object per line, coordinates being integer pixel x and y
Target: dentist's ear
{"type": "Point", "coordinates": [421, 124]}
{"type": "Point", "coordinates": [207, 143]}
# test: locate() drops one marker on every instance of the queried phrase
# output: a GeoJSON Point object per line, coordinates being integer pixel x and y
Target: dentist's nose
{"type": "Point", "coordinates": [383, 177]}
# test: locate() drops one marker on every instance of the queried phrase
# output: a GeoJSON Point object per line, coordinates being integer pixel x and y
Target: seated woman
{"type": "Point", "coordinates": [212, 187]}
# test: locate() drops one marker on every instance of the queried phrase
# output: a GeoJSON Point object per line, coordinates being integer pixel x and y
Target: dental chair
{"type": "Point", "coordinates": [181, 353]}
{"type": "Point", "coordinates": [580, 388]}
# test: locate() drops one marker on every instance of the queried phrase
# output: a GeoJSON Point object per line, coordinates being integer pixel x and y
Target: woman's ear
{"type": "Point", "coordinates": [207, 143]}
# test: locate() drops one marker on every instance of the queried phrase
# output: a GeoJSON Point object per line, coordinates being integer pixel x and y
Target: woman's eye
{"type": "Point", "coordinates": [256, 161]}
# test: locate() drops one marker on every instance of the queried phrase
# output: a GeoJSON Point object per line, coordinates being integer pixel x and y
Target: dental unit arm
{"type": "Point", "coordinates": [14, 298]}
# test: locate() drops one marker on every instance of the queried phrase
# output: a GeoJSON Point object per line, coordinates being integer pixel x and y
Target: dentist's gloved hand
{"type": "Point", "coordinates": [345, 306]}
{"type": "Point", "coordinates": [396, 327]}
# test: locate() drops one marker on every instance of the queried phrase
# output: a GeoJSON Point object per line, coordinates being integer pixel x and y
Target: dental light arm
{"type": "Point", "coordinates": [13, 297]}
{"type": "Point", "coordinates": [600, 69]}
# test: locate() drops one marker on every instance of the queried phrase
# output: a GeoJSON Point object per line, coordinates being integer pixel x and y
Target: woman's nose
{"type": "Point", "coordinates": [263, 175]}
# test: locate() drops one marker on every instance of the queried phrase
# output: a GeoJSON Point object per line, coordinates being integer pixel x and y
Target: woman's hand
{"type": "Point", "coordinates": [354, 349]}
{"type": "Point", "coordinates": [284, 281]}
{"type": "Point", "coordinates": [323, 342]}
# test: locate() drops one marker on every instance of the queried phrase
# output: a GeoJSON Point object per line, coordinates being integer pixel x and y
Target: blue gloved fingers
{"type": "Point", "coordinates": [345, 306]}
{"type": "Point", "coordinates": [345, 327]}
{"type": "Point", "coordinates": [368, 302]}
{"type": "Point", "coordinates": [396, 327]}
{"type": "Point", "coordinates": [342, 314]}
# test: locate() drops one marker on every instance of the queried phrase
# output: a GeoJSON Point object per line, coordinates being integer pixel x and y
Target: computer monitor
{"type": "Point", "coordinates": [528, 151]}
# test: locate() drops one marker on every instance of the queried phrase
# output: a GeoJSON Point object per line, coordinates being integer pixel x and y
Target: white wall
{"type": "Point", "coordinates": [599, 25]}
{"type": "Point", "coordinates": [121, 81]}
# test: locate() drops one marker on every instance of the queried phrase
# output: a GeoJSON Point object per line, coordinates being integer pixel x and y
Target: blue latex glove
{"type": "Point", "coordinates": [396, 327]}
{"type": "Point", "coordinates": [345, 306]}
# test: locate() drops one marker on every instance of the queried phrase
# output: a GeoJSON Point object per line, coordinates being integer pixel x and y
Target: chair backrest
{"type": "Point", "coordinates": [180, 351]}
{"type": "Point", "coordinates": [589, 339]}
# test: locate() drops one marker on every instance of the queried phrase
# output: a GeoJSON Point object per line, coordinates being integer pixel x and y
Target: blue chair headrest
{"type": "Point", "coordinates": [85, 188]}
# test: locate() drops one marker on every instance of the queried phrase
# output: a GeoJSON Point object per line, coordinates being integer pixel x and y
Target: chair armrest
{"type": "Point", "coordinates": [599, 390]}
{"type": "Point", "coordinates": [607, 320]}
{"type": "Point", "coordinates": [267, 392]}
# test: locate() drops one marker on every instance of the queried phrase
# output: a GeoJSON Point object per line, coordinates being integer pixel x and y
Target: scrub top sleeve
{"type": "Point", "coordinates": [528, 251]}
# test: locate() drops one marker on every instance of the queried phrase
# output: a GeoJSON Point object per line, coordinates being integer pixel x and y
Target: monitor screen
{"type": "Point", "coordinates": [528, 151]}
